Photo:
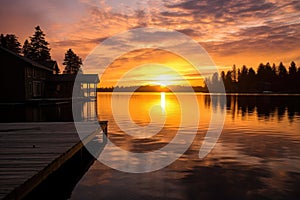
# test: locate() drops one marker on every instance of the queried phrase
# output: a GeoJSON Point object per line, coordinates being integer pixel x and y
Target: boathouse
{"type": "Point", "coordinates": [63, 86]}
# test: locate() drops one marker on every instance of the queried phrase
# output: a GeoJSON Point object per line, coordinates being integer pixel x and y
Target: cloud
{"type": "Point", "coordinates": [228, 10]}
{"type": "Point", "coordinates": [18, 14]}
{"type": "Point", "coordinates": [231, 30]}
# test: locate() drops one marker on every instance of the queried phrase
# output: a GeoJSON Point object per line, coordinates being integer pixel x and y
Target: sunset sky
{"type": "Point", "coordinates": [232, 32]}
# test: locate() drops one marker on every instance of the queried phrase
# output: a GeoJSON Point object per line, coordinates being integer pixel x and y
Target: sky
{"type": "Point", "coordinates": [231, 31]}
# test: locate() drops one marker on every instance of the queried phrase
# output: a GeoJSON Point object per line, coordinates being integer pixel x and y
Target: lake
{"type": "Point", "coordinates": [257, 155]}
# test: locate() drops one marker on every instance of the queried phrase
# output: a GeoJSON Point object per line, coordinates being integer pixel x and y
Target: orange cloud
{"type": "Point", "coordinates": [233, 32]}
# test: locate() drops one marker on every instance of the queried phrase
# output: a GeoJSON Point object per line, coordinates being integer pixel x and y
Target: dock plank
{"type": "Point", "coordinates": [29, 152]}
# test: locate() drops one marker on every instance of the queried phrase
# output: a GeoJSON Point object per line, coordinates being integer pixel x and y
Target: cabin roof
{"type": "Point", "coordinates": [24, 59]}
{"type": "Point", "coordinates": [88, 78]}
{"type": "Point", "coordinates": [50, 64]}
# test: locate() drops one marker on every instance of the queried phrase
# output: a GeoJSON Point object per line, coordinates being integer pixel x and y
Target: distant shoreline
{"type": "Point", "coordinates": [228, 93]}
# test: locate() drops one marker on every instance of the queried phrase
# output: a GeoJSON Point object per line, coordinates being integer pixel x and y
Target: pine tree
{"type": "Point", "coordinates": [282, 72]}
{"type": "Point", "coordinates": [293, 70]}
{"type": "Point", "coordinates": [72, 63]}
{"type": "Point", "coordinates": [234, 74]}
{"type": "Point", "coordinates": [282, 77]}
{"type": "Point", "coordinates": [38, 49]}
{"type": "Point", "coordinates": [26, 48]}
{"type": "Point", "coordinates": [293, 76]}
{"type": "Point", "coordinates": [10, 41]}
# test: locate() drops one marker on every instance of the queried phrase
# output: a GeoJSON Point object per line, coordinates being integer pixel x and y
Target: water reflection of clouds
{"type": "Point", "coordinates": [260, 162]}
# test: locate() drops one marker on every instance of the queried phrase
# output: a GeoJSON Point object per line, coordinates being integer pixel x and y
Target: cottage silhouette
{"type": "Point", "coordinates": [24, 80]}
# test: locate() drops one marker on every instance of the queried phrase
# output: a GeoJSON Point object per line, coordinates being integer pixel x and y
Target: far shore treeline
{"type": "Point", "coordinates": [267, 78]}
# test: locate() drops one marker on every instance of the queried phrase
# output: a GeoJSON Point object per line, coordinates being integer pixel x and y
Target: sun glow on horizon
{"type": "Point", "coordinates": [150, 67]}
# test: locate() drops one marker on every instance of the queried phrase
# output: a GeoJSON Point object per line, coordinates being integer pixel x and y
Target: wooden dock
{"type": "Point", "coordinates": [30, 152]}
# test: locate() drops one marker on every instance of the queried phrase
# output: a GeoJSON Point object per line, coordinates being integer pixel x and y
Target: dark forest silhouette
{"type": "Point", "coordinates": [277, 79]}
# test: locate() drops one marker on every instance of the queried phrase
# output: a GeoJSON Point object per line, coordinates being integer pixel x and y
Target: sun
{"type": "Point", "coordinates": [161, 84]}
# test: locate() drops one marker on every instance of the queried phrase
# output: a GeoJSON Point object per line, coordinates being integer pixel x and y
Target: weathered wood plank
{"type": "Point", "coordinates": [29, 152]}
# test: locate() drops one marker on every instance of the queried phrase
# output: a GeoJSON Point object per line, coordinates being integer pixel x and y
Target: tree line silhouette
{"type": "Point", "coordinates": [267, 78]}
{"type": "Point", "coordinates": [36, 48]}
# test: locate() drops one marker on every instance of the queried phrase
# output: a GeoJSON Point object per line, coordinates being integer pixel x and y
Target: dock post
{"type": "Point", "coordinates": [103, 125]}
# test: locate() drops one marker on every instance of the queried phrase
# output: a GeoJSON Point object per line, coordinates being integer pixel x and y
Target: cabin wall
{"type": "Point", "coordinates": [11, 78]}
{"type": "Point", "coordinates": [35, 81]}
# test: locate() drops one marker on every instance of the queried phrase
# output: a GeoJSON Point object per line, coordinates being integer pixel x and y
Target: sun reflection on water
{"type": "Point", "coordinates": [163, 101]}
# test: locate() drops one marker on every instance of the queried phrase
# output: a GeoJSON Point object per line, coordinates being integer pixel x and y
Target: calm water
{"type": "Point", "coordinates": [256, 157]}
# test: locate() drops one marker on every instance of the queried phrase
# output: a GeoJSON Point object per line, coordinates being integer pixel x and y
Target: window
{"type": "Point", "coordinates": [37, 89]}
{"type": "Point", "coordinates": [57, 87]}
{"type": "Point", "coordinates": [28, 71]}
{"type": "Point", "coordinates": [30, 89]}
